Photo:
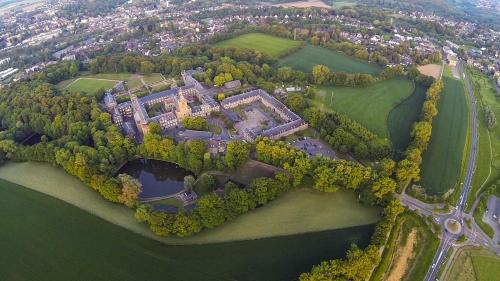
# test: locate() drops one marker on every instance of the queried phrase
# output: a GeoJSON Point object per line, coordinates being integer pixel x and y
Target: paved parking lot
{"type": "Point", "coordinates": [492, 217]}
{"type": "Point", "coordinates": [314, 147]}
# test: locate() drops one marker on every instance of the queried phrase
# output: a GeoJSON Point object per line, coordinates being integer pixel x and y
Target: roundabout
{"type": "Point", "coordinates": [453, 226]}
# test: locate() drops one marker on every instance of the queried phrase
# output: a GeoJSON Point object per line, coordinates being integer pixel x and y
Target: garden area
{"type": "Point", "coordinates": [442, 161]}
{"type": "Point", "coordinates": [306, 58]}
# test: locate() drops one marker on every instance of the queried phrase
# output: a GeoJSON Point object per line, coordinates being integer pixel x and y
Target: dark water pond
{"type": "Point", "coordinates": [158, 178]}
{"type": "Point", "coordinates": [32, 140]}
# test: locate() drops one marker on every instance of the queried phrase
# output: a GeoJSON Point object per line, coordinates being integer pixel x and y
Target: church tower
{"type": "Point", "coordinates": [182, 109]}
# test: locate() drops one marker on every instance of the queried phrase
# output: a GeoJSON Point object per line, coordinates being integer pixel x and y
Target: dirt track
{"type": "Point", "coordinates": [401, 261]}
{"type": "Point", "coordinates": [433, 70]}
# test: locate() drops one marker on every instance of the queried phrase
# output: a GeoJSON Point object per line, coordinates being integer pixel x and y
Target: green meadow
{"type": "Point", "coordinates": [267, 44]}
{"type": "Point", "coordinates": [89, 85]}
{"type": "Point", "coordinates": [306, 58]}
{"type": "Point", "coordinates": [442, 162]}
{"type": "Point", "coordinates": [46, 239]}
{"type": "Point", "coordinates": [370, 105]}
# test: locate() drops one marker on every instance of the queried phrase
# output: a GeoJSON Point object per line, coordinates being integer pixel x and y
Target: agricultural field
{"type": "Point", "coordinates": [442, 162]}
{"type": "Point", "coordinates": [306, 58]}
{"type": "Point", "coordinates": [488, 158]}
{"type": "Point", "coordinates": [89, 85]}
{"type": "Point", "coordinates": [401, 118]}
{"type": "Point", "coordinates": [299, 211]}
{"type": "Point", "coordinates": [304, 4]}
{"type": "Point", "coordinates": [433, 70]}
{"type": "Point", "coordinates": [473, 264]}
{"type": "Point", "coordinates": [369, 106]}
{"type": "Point", "coordinates": [48, 239]}
{"type": "Point", "coordinates": [267, 44]}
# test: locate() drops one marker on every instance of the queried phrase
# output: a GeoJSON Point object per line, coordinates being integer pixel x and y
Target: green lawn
{"type": "Point", "coordinates": [442, 162]}
{"type": "Point", "coordinates": [401, 118]}
{"type": "Point", "coordinates": [46, 239]}
{"type": "Point", "coordinates": [152, 78]}
{"type": "Point", "coordinates": [299, 211]}
{"type": "Point", "coordinates": [489, 141]}
{"type": "Point", "coordinates": [309, 56]}
{"type": "Point", "coordinates": [271, 45]}
{"type": "Point", "coordinates": [369, 106]}
{"type": "Point", "coordinates": [122, 76]}
{"type": "Point", "coordinates": [89, 85]}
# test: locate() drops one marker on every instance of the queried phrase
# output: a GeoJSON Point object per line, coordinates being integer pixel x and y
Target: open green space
{"type": "Point", "coordinates": [473, 264]}
{"type": "Point", "coordinates": [401, 118]}
{"type": "Point", "coordinates": [121, 76]}
{"type": "Point", "coordinates": [43, 238]}
{"type": "Point", "coordinates": [488, 157]}
{"type": "Point", "coordinates": [306, 58]}
{"type": "Point", "coordinates": [252, 170]}
{"type": "Point", "coordinates": [153, 78]}
{"type": "Point", "coordinates": [369, 106]}
{"type": "Point", "coordinates": [267, 44]}
{"type": "Point", "coordinates": [299, 211]}
{"type": "Point", "coordinates": [89, 85]}
{"type": "Point", "coordinates": [442, 162]}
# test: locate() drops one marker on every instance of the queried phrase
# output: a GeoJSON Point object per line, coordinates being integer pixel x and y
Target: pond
{"type": "Point", "coordinates": [158, 178]}
{"type": "Point", "coordinates": [32, 140]}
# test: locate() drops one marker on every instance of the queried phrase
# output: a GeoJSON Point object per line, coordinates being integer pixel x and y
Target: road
{"type": "Point", "coordinates": [474, 234]}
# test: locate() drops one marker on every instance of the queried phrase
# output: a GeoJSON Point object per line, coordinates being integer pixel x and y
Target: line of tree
{"type": "Point", "coordinates": [409, 167]}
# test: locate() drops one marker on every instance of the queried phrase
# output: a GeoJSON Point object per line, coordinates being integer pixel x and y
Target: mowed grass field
{"type": "Point", "coordinates": [369, 106]}
{"type": "Point", "coordinates": [46, 239]}
{"type": "Point", "coordinates": [474, 264]}
{"type": "Point", "coordinates": [89, 85]}
{"type": "Point", "coordinates": [401, 118]}
{"type": "Point", "coordinates": [306, 58]}
{"type": "Point", "coordinates": [267, 44]}
{"type": "Point", "coordinates": [442, 162]}
{"type": "Point", "coordinates": [299, 211]}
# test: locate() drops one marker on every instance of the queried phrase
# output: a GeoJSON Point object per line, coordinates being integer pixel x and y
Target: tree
{"type": "Point", "coordinates": [320, 74]}
{"type": "Point", "coordinates": [185, 225]}
{"type": "Point", "coordinates": [296, 102]}
{"type": "Point", "coordinates": [237, 154]}
{"type": "Point", "coordinates": [387, 166]}
{"type": "Point", "coordinates": [421, 134]}
{"type": "Point", "coordinates": [237, 202]}
{"type": "Point", "coordinates": [210, 210]}
{"type": "Point", "coordinates": [206, 183]}
{"type": "Point", "coordinates": [382, 187]}
{"type": "Point", "coordinates": [188, 182]}
{"type": "Point", "coordinates": [131, 188]}
{"type": "Point", "coordinates": [147, 67]}
{"type": "Point", "coordinates": [325, 180]}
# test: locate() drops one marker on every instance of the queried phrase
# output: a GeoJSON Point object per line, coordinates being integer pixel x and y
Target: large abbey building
{"type": "Point", "coordinates": [191, 100]}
